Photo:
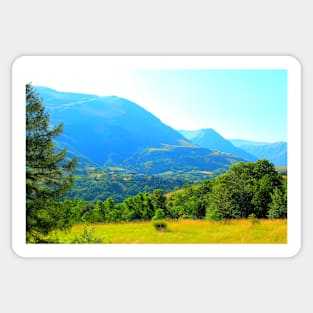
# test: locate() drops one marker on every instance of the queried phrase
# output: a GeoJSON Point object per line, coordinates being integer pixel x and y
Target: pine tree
{"type": "Point", "coordinates": [48, 173]}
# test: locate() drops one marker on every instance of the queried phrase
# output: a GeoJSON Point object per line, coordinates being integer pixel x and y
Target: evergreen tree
{"type": "Point", "coordinates": [48, 173]}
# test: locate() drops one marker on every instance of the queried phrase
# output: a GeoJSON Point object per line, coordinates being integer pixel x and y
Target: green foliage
{"type": "Point", "coordinates": [253, 219]}
{"type": "Point", "coordinates": [46, 214]}
{"type": "Point", "coordinates": [158, 215]}
{"type": "Point", "coordinates": [48, 175]}
{"type": "Point", "coordinates": [158, 199]}
{"type": "Point", "coordinates": [278, 206]}
{"type": "Point", "coordinates": [159, 225]}
{"type": "Point", "coordinates": [224, 200]}
{"type": "Point", "coordinates": [98, 185]}
{"type": "Point", "coordinates": [87, 236]}
{"type": "Point", "coordinates": [213, 213]}
{"type": "Point", "coordinates": [38, 237]}
{"type": "Point", "coordinates": [245, 189]}
{"type": "Point", "coordinates": [139, 207]}
{"type": "Point", "coordinates": [190, 202]}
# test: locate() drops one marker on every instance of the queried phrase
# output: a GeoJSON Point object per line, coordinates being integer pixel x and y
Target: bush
{"type": "Point", "coordinates": [38, 237]}
{"type": "Point", "coordinates": [159, 225]}
{"type": "Point", "coordinates": [87, 236]}
{"type": "Point", "coordinates": [253, 219]}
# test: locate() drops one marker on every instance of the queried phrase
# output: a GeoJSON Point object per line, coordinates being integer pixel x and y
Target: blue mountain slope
{"type": "Point", "coordinates": [275, 152]}
{"type": "Point", "coordinates": [105, 129]}
{"type": "Point", "coordinates": [115, 131]}
{"type": "Point", "coordinates": [209, 138]}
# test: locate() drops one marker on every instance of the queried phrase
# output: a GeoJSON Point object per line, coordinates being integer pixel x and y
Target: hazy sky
{"type": "Point", "coordinates": [245, 104]}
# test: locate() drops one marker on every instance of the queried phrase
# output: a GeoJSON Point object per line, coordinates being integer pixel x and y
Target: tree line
{"type": "Point", "coordinates": [246, 189]}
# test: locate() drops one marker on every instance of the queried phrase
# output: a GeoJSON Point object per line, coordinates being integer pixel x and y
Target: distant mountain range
{"type": "Point", "coordinates": [112, 131]}
{"type": "Point", "coordinates": [248, 150]}
{"type": "Point", "coordinates": [275, 152]}
{"type": "Point", "coordinates": [210, 139]}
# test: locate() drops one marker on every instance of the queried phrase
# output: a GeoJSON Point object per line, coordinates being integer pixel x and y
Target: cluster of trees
{"type": "Point", "coordinates": [246, 189]}
{"type": "Point", "coordinates": [141, 207]}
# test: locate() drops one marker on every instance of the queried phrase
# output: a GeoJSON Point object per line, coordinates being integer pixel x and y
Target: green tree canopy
{"type": "Point", "coordinates": [48, 172]}
{"type": "Point", "coordinates": [245, 189]}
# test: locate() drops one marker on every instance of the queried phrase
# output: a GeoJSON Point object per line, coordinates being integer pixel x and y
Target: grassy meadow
{"type": "Point", "coordinates": [177, 232]}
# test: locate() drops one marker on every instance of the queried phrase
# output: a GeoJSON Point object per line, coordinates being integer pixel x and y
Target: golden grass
{"type": "Point", "coordinates": [184, 231]}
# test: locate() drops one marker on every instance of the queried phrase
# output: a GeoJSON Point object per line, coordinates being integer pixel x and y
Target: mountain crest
{"type": "Point", "coordinates": [210, 139]}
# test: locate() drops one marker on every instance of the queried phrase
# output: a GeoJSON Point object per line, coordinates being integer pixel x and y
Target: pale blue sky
{"type": "Point", "coordinates": [245, 104]}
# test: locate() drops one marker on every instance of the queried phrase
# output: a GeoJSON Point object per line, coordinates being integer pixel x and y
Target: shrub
{"type": "Point", "coordinates": [38, 237]}
{"type": "Point", "coordinates": [159, 225]}
{"type": "Point", "coordinates": [87, 236]}
{"type": "Point", "coordinates": [253, 219]}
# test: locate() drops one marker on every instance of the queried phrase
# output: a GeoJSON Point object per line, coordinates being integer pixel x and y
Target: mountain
{"type": "Point", "coordinates": [83, 161]}
{"type": "Point", "coordinates": [112, 131]}
{"type": "Point", "coordinates": [209, 138]}
{"type": "Point", "coordinates": [106, 130]}
{"type": "Point", "coordinates": [275, 152]}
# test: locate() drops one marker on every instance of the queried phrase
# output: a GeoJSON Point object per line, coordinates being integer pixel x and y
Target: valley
{"type": "Point", "coordinates": [131, 167]}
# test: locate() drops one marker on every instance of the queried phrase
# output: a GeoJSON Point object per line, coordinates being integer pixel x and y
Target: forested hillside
{"type": "Point", "coordinates": [93, 184]}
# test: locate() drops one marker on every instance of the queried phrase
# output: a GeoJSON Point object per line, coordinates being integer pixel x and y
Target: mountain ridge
{"type": "Point", "coordinates": [275, 152]}
{"type": "Point", "coordinates": [211, 139]}
{"type": "Point", "coordinates": [108, 119]}
{"type": "Point", "coordinates": [109, 131]}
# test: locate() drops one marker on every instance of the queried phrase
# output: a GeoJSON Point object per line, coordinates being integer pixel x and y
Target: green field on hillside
{"type": "Point", "coordinates": [177, 232]}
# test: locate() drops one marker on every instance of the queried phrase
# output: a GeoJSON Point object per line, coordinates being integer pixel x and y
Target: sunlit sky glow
{"type": "Point", "coordinates": [245, 104]}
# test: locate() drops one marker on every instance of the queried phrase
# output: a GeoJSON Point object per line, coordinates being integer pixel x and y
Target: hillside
{"type": "Point", "coordinates": [107, 130]}
{"type": "Point", "coordinates": [99, 184]}
{"type": "Point", "coordinates": [112, 131]}
{"type": "Point", "coordinates": [210, 139]}
{"type": "Point", "coordinates": [171, 160]}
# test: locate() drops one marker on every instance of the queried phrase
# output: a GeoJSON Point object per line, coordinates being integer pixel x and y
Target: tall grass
{"type": "Point", "coordinates": [184, 231]}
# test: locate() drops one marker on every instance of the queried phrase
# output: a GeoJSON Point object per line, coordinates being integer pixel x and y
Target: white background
{"type": "Point", "coordinates": [155, 28]}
